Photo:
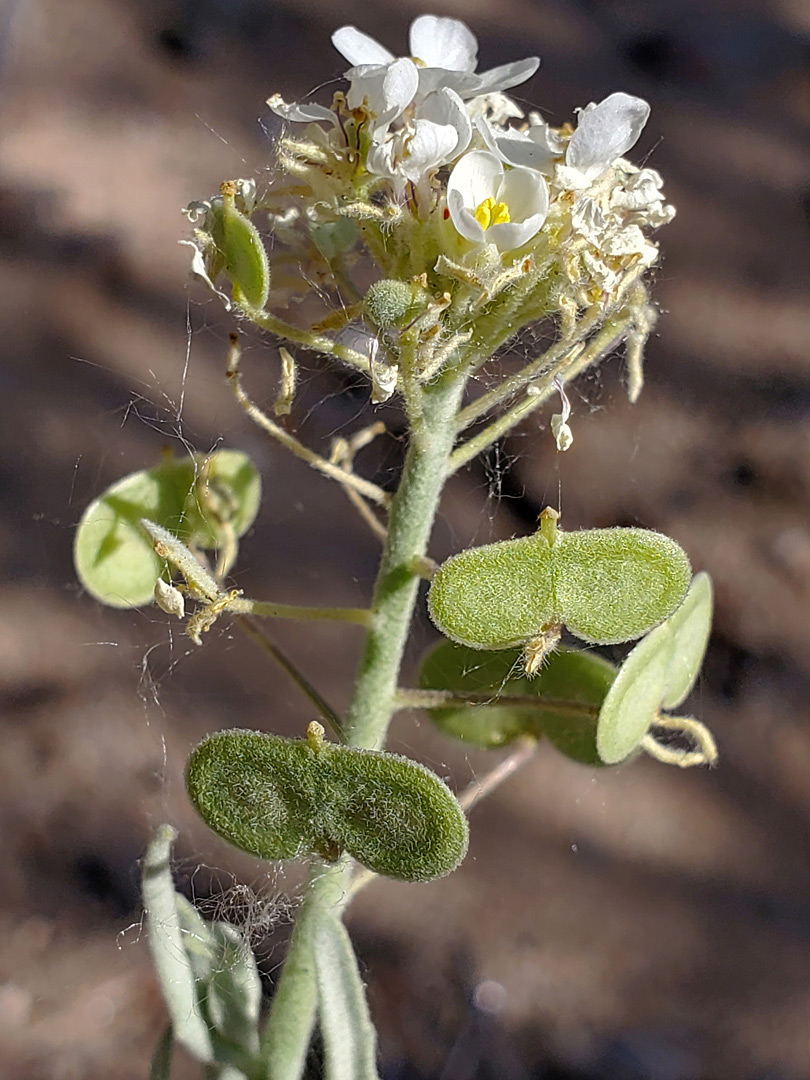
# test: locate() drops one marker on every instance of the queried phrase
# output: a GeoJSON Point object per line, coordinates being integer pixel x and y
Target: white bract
{"type": "Point", "coordinates": [491, 205]}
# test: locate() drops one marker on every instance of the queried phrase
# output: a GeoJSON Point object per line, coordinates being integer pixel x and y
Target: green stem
{"type": "Point", "coordinates": [268, 610]}
{"type": "Point", "coordinates": [325, 710]}
{"type": "Point", "coordinates": [448, 699]}
{"type": "Point", "coordinates": [413, 509]}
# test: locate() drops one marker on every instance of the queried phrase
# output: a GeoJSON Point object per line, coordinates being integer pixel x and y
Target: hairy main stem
{"type": "Point", "coordinates": [293, 1012]}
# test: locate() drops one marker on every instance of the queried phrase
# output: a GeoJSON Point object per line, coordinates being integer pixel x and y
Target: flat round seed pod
{"type": "Point", "coordinates": [612, 585]}
{"type": "Point", "coordinates": [226, 496]}
{"type": "Point", "coordinates": [579, 676]}
{"type": "Point", "coordinates": [634, 699]}
{"type": "Point", "coordinates": [495, 596]}
{"type": "Point", "coordinates": [393, 815]}
{"type": "Point", "coordinates": [567, 674]}
{"type": "Point", "coordinates": [112, 554]}
{"type": "Point", "coordinates": [191, 497]}
{"type": "Point", "coordinates": [283, 798]}
{"type": "Point", "coordinates": [690, 626]}
{"type": "Point", "coordinates": [261, 793]}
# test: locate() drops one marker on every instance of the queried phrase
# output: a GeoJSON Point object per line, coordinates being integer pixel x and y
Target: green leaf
{"type": "Point", "coordinates": [234, 991]}
{"type": "Point", "coordinates": [569, 674]}
{"type": "Point", "coordinates": [634, 699]}
{"type": "Point", "coordinates": [613, 585]}
{"type": "Point", "coordinates": [167, 946]}
{"type": "Point", "coordinates": [350, 1042]}
{"type": "Point", "coordinates": [193, 498]}
{"type": "Point", "coordinates": [605, 585]}
{"type": "Point", "coordinates": [283, 798]}
{"type": "Point", "coordinates": [690, 627]}
{"type": "Point", "coordinates": [495, 596]}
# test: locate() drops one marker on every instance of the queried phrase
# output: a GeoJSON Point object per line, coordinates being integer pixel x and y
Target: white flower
{"type": "Point", "coordinates": [446, 53]}
{"type": "Point", "coordinates": [489, 205]}
{"type": "Point", "coordinates": [384, 90]}
{"type": "Point", "coordinates": [439, 131]}
{"type": "Point", "coordinates": [604, 134]}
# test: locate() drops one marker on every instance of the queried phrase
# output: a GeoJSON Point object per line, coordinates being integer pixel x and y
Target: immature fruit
{"type": "Point", "coordinates": [245, 257]}
{"type": "Point", "coordinates": [283, 798]}
{"type": "Point", "coordinates": [570, 675]}
{"type": "Point", "coordinates": [605, 585]}
{"type": "Point", "coordinates": [658, 673]}
{"type": "Point", "coordinates": [203, 500]}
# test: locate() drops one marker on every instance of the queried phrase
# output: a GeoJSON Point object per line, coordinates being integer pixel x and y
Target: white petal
{"type": "Point", "coordinates": [501, 78]}
{"type": "Point", "coordinates": [359, 48]}
{"type": "Point", "coordinates": [443, 43]}
{"type": "Point", "coordinates": [605, 132]}
{"type": "Point", "coordinates": [497, 108]}
{"type": "Point", "coordinates": [445, 107]}
{"type": "Point", "coordinates": [475, 177]}
{"type": "Point", "coordinates": [515, 147]}
{"type": "Point", "coordinates": [431, 145]}
{"type": "Point", "coordinates": [301, 114]}
{"type": "Point", "coordinates": [399, 87]}
{"type": "Point", "coordinates": [386, 90]}
{"type": "Point", "coordinates": [525, 192]}
{"type": "Point", "coordinates": [463, 219]}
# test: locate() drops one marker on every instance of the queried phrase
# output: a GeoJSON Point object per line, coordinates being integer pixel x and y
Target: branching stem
{"type": "Point", "coordinates": [289, 442]}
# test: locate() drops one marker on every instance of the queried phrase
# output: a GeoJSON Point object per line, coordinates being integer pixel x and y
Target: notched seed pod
{"type": "Point", "coordinates": [395, 816]}
{"type": "Point", "coordinates": [496, 596]}
{"type": "Point", "coordinates": [283, 798]}
{"type": "Point", "coordinates": [205, 501]}
{"type": "Point", "coordinates": [604, 585]}
{"type": "Point", "coordinates": [658, 674]}
{"type": "Point", "coordinates": [568, 676]}
{"type": "Point", "coordinates": [261, 793]}
{"type": "Point", "coordinates": [635, 697]}
{"type": "Point", "coordinates": [391, 303]}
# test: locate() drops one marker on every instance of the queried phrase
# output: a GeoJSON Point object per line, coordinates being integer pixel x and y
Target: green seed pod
{"type": "Point", "coordinates": [614, 585]}
{"type": "Point", "coordinates": [496, 596]}
{"type": "Point", "coordinates": [633, 701]}
{"type": "Point", "coordinates": [261, 793]}
{"type": "Point", "coordinates": [191, 497]}
{"type": "Point", "coordinates": [245, 257]}
{"type": "Point", "coordinates": [390, 303]}
{"type": "Point", "coordinates": [690, 627]}
{"type": "Point", "coordinates": [605, 585]}
{"type": "Point", "coordinates": [393, 815]}
{"type": "Point", "coordinates": [223, 501]}
{"type": "Point", "coordinates": [283, 798]}
{"type": "Point", "coordinates": [566, 675]}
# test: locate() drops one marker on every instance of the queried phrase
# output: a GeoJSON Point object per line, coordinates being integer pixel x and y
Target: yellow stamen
{"type": "Point", "coordinates": [491, 213]}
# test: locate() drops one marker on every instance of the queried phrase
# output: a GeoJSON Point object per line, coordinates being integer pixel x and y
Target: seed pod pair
{"type": "Point", "coordinates": [281, 798]}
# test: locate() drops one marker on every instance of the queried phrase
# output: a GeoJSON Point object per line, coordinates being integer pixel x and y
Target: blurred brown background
{"type": "Point", "coordinates": [643, 924]}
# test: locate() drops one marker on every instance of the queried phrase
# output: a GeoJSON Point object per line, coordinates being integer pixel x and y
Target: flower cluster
{"type": "Point", "coordinates": [432, 170]}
